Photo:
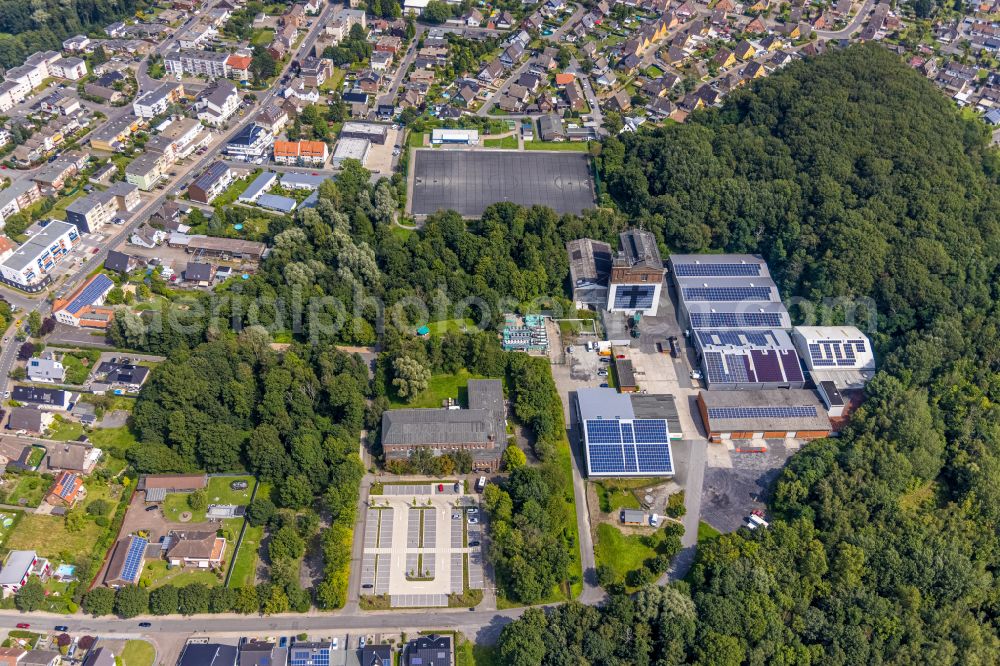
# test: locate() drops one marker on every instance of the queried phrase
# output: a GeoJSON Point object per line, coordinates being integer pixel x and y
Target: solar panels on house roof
{"type": "Point", "coordinates": [717, 270]}
{"type": "Point", "coordinates": [96, 288]}
{"type": "Point", "coordinates": [133, 560]}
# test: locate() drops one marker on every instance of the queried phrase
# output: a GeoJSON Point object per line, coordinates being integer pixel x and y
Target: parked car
{"type": "Point", "coordinates": [367, 586]}
{"type": "Point", "coordinates": [695, 374]}
{"type": "Point", "coordinates": [440, 487]}
{"type": "Point", "coordinates": [473, 520]}
{"type": "Point", "coordinates": [362, 642]}
{"type": "Point", "coordinates": [473, 544]}
{"type": "Point", "coordinates": [604, 385]}
{"type": "Point", "coordinates": [23, 625]}
{"type": "Point", "coordinates": [145, 624]}
{"type": "Point", "coordinates": [457, 487]}
{"type": "Point", "coordinates": [61, 627]}
{"type": "Point", "coordinates": [569, 350]}
{"type": "Point", "coordinates": [151, 507]}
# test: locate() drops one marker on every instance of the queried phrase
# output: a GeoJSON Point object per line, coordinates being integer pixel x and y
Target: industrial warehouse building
{"type": "Point", "coordinates": [480, 430]}
{"type": "Point", "coordinates": [627, 435]}
{"type": "Point", "coordinates": [840, 361]}
{"type": "Point", "coordinates": [763, 414]}
{"type": "Point", "coordinates": [628, 281]}
{"type": "Point", "coordinates": [373, 132]}
{"type": "Point", "coordinates": [465, 137]}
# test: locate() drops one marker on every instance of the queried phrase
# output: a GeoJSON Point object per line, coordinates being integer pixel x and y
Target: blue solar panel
{"type": "Point", "coordinates": [761, 412]}
{"type": "Point", "coordinates": [603, 432]}
{"type": "Point", "coordinates": [650, 431]}
{"type": "Point", "coordinates": [634, 297]}
{"type": "Point", "coordinates": [736, 320]}
{"type": "Point", "coordinates": [727, 294]}
{"type": "Point", "coordinates": [133, 559]}
{"type": "Point", "coordinates": [639, 446]}
{"type": "Point", "coordinates": [100, 284]}
{"type": "Point", "coordinates": [654, 458]}
{"type": "Point", "coordinates": [717, 270]}
{"type": "Point", "coordinates": [736, 338]}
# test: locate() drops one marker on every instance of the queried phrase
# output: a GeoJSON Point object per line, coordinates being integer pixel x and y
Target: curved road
{"type": "Point", "coordinates": [859, 19]}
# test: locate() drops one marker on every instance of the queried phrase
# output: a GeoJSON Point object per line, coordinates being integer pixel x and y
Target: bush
{"type": "Point", "coordinates": [198, 500]}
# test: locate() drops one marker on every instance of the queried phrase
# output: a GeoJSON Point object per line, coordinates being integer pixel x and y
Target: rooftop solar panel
{"type": "Point", "coordinates": [628, 447]}
{"type": "Point", "coordinates": [717, 270]}
{"type": "Point", "coordinates": [133, 560]}
{"type": "Point", "coordinates": [736, 320]}
{"type": "Point", "coordinates": [90, 293]}
{"type": "Point", "coordinates": [729, 294]}
{"type": "Point", "coordinates": [761, 412]}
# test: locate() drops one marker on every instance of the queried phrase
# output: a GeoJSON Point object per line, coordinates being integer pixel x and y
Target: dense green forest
{"type": "Point", "coordinates": [854, 176]}
{"type": "Point", "coordinates": [26, 27]}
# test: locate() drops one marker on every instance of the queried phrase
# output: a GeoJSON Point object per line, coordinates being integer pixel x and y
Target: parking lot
{"type": "Point", "coordinates": [416, 538]}
{"type": "Point", "coordinates": [736, 483]}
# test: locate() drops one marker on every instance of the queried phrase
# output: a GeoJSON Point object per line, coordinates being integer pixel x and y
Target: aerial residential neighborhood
{"type": "Point", "coordinates": [433, 333]}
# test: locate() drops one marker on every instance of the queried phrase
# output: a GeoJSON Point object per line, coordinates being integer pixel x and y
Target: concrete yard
{"type": "Point", "coordinates": [468, 181]}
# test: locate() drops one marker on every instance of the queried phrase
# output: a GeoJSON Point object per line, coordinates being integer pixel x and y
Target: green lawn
{"type": "Point", "coordinates": [237, 188]}
{"type": "Point", "coordinates": [218, 492]}
{"type": "Point", "coordinates": [29, 488]}
{"type": "Point", "coordinates": [706, 532]}
{"type": "Point", "coordinates": [246, 559]}
{"type": "Point", "coordinates": [138, 653]}
{"type": "Point", "coordinates": [505, 142]}
{"type": "Point", "coordinates": [333, 83]}
{"type": "Point", "coordinates": [401, 233]}
{"type": "Point", "coordinates": [262, 37]}
{"type": "Point", "coordinates": [613, 497]}
{"type": "Point", "coordinates": [620, 552]}
{"type": "Point", "coordinates": [484, 655]}
{"type": "Point", "coordinates": [570, 146]}
{"type": "Point", "coordinates": [439, 328]}
{"type": "Point", "coordinates": [118, 440]}
{"type": "Point", "coordinates": [49, 536]}
{"type": "Point", "coordinates": [654, 72]}
{"type": "Point", "coordinates": [415, 140]}
{"type": "Point", "coordinates": [59, 210]}
{"type": "Point", "coordinates": [439, 388]}
{"type": "Point", "coordinates": [156, 574]}
{"type": "Point", "coordinates": [65, 431]}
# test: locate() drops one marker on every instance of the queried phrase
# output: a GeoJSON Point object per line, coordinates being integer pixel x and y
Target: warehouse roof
{"type": "Point", "coordinates": [763, 410]}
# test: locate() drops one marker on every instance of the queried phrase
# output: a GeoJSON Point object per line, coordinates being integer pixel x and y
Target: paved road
{"type": "Point", "coordinates": [859, 18]}
{"type": "Point", "coordinates": [483, 626]}
{"type": "Point", "coordinates": [697, 449]}
{"type": "Point", "coordinates": [404, 66]}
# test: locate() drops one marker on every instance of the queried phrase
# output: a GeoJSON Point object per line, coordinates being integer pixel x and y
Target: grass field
{"type": "Point", "coordinates": [117, 440]}
{"type": "Point", "coordinates": [570, 146]}
{"type": "Point", "coordinates": [138, 653]}
{"type": "Point", "coordinates": [654, 72]}
{"type": "Point", "coordinates": [415, 140]}
{"type": "Point", "coordinates": [58, 211]}
{"type": "Point", "coordinates": [30, 489]}
{"type": "Point", "coordinates": [439, 388]}
{"type": "Point", "coordinates": [439, 328]}
{"type": "Point", "coordinates": [237, 188]}
{"type": "Point", "coordinates": [622, 553]}
{"type": "Point", "coordinates": [613, 497]}
{"type": "Point", "coordinates": [218, 492]}
{"type": "Point", "coordinates": [706, 532]}
{"type": "Point", "coordinates": [262, 37]}
{"type": "Point", "coordinates": [333, 83]}
{"type": "Point", "coordinates": [156, 574]}
{"type": "Point", "coordinates": [48, 535]}
{"type": "Point", "coordinates": [65, 431]}
{"type": "Point", "coordinates": [506, 142]}
{"type": "Point", "coordinates": [401, 233]}
{"type": "Point", "coordinates": [246, 559]}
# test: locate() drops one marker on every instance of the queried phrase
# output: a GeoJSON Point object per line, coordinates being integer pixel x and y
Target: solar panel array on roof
{"type": "Point", "coordinates": [717, 270]}
{"type": "Point", "coordinates": [639, 446]}
{"type": "Point", "coordinates": [761, 412]}
{"type": "Point", "coordinates": [836, 353]}
{"type": "Point", "coordinates": [727, 294]}
{"type": "Point", "coordinates": [736, 319]}
{"type": "Point", "coordinates": [69, 483]}
{"type": "Point", "coordinates": [94, 290]}
{"type": "Point", "coordinates": [133, 560]}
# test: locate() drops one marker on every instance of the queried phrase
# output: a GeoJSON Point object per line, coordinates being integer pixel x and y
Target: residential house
{"type": "Point", "coordinates": [273, 117]}
{"type": "Point", "coordinates": [211, 183]}
{"type": "Point", "coordinates": [85, 306]}
{"type": "Point", "coordinates": [18, 567]}
{"type": "Point", "coordinates": [199, 549]}
{"type": "Point", "coordinates": [430, 650]}
{"type": "Point", "coordinates": [217, 103]}
{"type": "Point", "coordinates": [315, 71]}
{"type": "Point", "coordinates": [620, 101]}
{"type": "Point", "coordinates": [745, 50]}
{"type": "Point", "coordinates": [491, 71]}
{"type": "Point", "coordinates": [147, 236]}
{"type": "Point", "coordinates": [210, 654]}
{"type": "Point", "coordinates": [550, 128]}
{"type": "Point", "coordinates": [71, 457]}
{"type": "Point", "coordinates": [66, 490]}
{"type": "Point", "coordinates": [724, 58]}
{"type": "Point", "coordinates": [30, 420]}
{"type": "Point", "coordinates": [239, 66]}
{"type": "Point", "coordinates": [41, 658]}
{"type": "Point", "coordinates": [45, 369]}
{"type": "Point", "coordinates": [156, 101]}
{"type": "Point", "coordinates": [120, 262]}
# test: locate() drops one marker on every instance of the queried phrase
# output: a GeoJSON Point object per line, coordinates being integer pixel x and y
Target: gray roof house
{"type": "Point", "coordinates": [100, 657]}
{"type": "Point", "coordinates": [26, 418]}
{"type": "Point", "coordinates": [480, 429]}
{"type": "Point", "coordinates": [428, 651]}
{"type": "Point", "coordinates": [46, 370]}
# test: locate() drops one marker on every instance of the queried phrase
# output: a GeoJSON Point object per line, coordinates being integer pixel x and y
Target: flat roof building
{"type": "Point", "coordinates": [210, 184]}
{"type": "Point", "coordinates": [727, 291]}
{"type": "Point", "coordinates": [372, 131]}
{"type": "Point", "coordinates": [762, 415]}
{"type": "Point", "coordinates": [29, 266]}
{"type": "Point", "coordinates": [468, 137]}
{"type": "Point", "coordinates": [626, 435]}
{"type": "Point", "coordinates": [841, 355]}
{"type": "Point", "coordinates": [262, 183]}
{"type": "Point", "coordinates": [351, 149]}
{"type": "Point", "coordinates": [748, 359]}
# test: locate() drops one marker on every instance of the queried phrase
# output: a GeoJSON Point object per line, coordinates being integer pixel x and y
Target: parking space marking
{"type": "Point", "coordinates": [413, 528]}
{"type": "Point", "coordinates": [419, 601]}
{"type": "Point", "coordinates": [368, 569]}
{"type": "Point", "coordinates": [456, 531]}
{"type": "Point", "coordinates": [383, 569]}
{"type": "Point", "coordinates": [477, 580]}
{"type": "Point", "coordinates": [457, 573]}
{"type": "Point", "coordinates": [385, 528]}
{"type": "Point", "coordinates": [430, 529]}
